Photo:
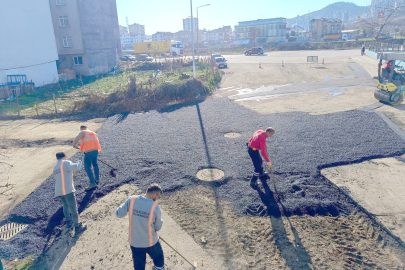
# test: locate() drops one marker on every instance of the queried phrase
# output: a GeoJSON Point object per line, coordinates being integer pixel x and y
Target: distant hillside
{"type": "Point", "coordinates": [345, 11]}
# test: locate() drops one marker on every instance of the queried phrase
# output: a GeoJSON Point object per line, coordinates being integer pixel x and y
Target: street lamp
{"type": "Point", "coordinates": [192, 36]}
{"type": "Point", "coordinates": [198, 26]}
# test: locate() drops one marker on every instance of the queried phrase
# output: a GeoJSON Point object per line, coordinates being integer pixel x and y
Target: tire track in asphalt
{"type": "Point", "coordinates": [167, 147]}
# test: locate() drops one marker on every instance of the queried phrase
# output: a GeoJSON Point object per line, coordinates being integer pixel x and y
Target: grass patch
{"type": "Point", "coordinates": [150, 76]}
{"type": "Point", "coordinates": [23, 264]}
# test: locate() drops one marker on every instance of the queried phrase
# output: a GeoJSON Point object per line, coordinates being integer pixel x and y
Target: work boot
{"type": "Point", "coordinates": [253, 184]}
{"type": "Point", "coordinates": [90, 187]}
{"type": "Point", "coordinates": [81, 227]}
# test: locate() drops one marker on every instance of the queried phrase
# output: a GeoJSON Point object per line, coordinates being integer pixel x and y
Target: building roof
{"type": "Point", "coordinates": [263, 21]}
{"type": "Point", "coordinates": [327, 20]}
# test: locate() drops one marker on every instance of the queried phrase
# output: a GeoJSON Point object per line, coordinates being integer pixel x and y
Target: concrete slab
{"type": "Point", "coordinates": [378, 186]}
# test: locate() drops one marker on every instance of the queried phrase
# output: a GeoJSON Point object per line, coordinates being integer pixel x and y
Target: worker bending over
{"type": "Point", "coordinates": [258, 143]}
{"type": "Point", "coordinates": [145, 219]}
{"type": "Point", "coordinates": [65, 191]}
{"type": "Point", "coordinates": [90, 145]}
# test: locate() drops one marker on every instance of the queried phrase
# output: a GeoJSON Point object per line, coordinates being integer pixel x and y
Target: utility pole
{"type": "Point", "coordinates": [198, 27]}
{"type": "Point", "coordinates": [192, 36]}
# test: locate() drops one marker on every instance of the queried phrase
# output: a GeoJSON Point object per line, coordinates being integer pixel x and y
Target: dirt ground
{"type": "Point", "coordinates": [104, 245]}
{"type": "Point", "coordinates": [30, 145]}
{"type": "Point", "coordinates": [378, 186]}
{"type": "Point", "coordinates": [298, 242]}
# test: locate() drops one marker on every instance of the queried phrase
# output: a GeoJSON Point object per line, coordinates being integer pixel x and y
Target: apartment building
{"type": "Point", "coordinates": [136, 29]}
{"type": "Point", "coordinates": [87, 35]}
{"type": "Point", "coordinates": [127, 41]}
{"type": "Point", "coordinates": [219, 36]}
{"type": "Point", "coordinates": [263, 28]}
{"type": "Point", "coordinates": [326, 29]}
{"type": "Point", "coordinates": [123, 30]}
{"type": "Point", "coordinates": [29, 46]}
{"type": "Point", "coordinates": [187, 24]}
{"type": "Point", "coordinates": [159, 36]}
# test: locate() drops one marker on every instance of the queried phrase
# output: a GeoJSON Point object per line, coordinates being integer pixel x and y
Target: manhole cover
{"type": "Point", "coordinates": [10, 230]}
{"type": "Point", "coordinates": [210, 175]}
{"type": "Point", "coordinates": [232, 135]}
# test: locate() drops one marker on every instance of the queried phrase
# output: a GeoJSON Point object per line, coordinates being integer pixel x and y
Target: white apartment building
{"type": "Point", "coordinates": [127, 41]}
{"type": "Point", "coordinates": [159, 36]}
{"type": "Point", "coordinates": [29, 46]}
{"type": "Point", "coordinates": [136, 29]}
{"type": "Point", "coordinates": [187, 24]}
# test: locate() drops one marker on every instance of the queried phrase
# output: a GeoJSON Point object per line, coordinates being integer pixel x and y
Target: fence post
{"type": "Point", "coordinates": [18, 104]}
{"type": "Point", "coordinates": [54, 104]}
{"type": "Point", "coordinates": [36, 107]}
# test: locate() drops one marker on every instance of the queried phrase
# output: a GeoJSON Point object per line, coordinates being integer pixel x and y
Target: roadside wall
{"type": "Point", "coordinates": [28, 45]}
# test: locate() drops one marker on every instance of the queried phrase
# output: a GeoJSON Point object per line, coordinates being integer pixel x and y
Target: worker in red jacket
{"type": "Point", "coordinates": [258, 143]}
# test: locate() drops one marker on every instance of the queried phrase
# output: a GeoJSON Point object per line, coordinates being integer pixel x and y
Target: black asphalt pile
{"type": "Point", "coordinates": [170, 146]}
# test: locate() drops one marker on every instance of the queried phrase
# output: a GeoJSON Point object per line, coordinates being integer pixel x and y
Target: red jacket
{"type": "Point", "coordinates": [258, 141]}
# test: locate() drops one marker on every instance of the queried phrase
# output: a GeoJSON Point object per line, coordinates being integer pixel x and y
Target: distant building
{"type": "Point", "coordinates": [28, 46]}
{"type": "Point", "coordinates": [127, 41]}
{"type": "Point", "coordinates": [219, 36]}
{"type": "Point", "coordinates": [187, 24]}
{"type": "Point", "coordinates": [326, 29]}
{"type": "Point", "coordinates": [136, 29]}
{"type": "Point", "coordinates": [87, 35]}
{"type": "Point", "coordinates": [263, 29]}
{"type": "Point", "coordinates": [381, 8]}
{"type": "Point", "coordinates": [123, 30]}
{"type": "Point", "coordinates": [158, 36]}
{"type": "Point", "coordinates": [185, 36]}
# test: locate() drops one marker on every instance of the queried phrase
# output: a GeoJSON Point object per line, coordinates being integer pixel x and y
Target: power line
{"type": "Point", "coordinates": [30, 66]}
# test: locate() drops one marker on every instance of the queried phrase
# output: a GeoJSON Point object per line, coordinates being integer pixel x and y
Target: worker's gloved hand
{"type": "Point", "coordinates": [270, 165]}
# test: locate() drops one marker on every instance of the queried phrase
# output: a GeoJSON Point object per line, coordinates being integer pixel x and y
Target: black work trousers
{"type": "Point", "coordinates": [155, 252]}
{"type": "Point", "coordinates": [257, 163]}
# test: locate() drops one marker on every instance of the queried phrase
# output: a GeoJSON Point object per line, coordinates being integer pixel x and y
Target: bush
{"type": "Point", "coordinates": [138, 97]}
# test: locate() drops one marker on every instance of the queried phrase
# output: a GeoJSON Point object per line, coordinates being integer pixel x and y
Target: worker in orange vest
{"type": "Point", "coordinates": [90, 145]}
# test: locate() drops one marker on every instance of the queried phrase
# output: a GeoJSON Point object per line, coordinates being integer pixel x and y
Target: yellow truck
{"type": "Point", "coordinates": [168, 47]}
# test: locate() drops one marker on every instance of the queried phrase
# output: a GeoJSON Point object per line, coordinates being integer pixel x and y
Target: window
{"type": "Point", "coordinates": [78, 60]}
{"type": "Point", "coordinates": [67, 42]}
{"type": "Point", "coordinates": [333, 29]}
{"type": "Point", "coordinates": [325, 29]}
{"type": "Point", "coordinates": [60, 2]}
{"type": "Point", "coordinates": [63, 21]}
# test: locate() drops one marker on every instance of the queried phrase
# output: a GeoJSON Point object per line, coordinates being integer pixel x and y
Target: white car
{"type": "Point", "coordinates": [221, 62]}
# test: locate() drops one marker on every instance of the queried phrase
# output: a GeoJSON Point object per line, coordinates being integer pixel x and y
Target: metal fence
{"type": "Point", "coordinates": [386, 47]}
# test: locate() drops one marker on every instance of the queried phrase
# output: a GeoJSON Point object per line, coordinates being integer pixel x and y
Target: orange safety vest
{"type": "Point", "coordinates": [89, 142]}
{"type": "Point", "coordinates": [62, 177]}
{"type": "Point", "coordinates": [150, 220]}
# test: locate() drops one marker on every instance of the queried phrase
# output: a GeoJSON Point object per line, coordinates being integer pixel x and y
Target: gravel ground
{"type": "Point", "coordinates": [170, 146]}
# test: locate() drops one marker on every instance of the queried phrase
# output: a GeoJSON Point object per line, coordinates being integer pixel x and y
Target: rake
{"type": "Point", "coordinates": [194, 266]}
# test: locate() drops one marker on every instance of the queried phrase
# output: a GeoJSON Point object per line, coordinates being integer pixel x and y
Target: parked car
{"type": "Point", "coordinates": [221, 62]}
{"type": "Point", "coordinates": [128, 58]}
{"type": "Point", "coordinates": [215, 55]}
{"type": "Point", "coordinates": [255, 50]}
{"type": "Point", "coordinates": [143, 57]}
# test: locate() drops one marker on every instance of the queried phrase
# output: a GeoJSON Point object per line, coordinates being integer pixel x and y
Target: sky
{"type": "Point", "coordinates": [168, 15]}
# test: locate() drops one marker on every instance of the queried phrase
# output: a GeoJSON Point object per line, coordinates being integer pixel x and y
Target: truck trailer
{"type": "Point", "coordinates": [167, 47]}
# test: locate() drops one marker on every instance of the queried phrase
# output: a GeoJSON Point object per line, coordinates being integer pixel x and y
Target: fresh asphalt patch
{"type": "Point", "coordinates": [170, 146]}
